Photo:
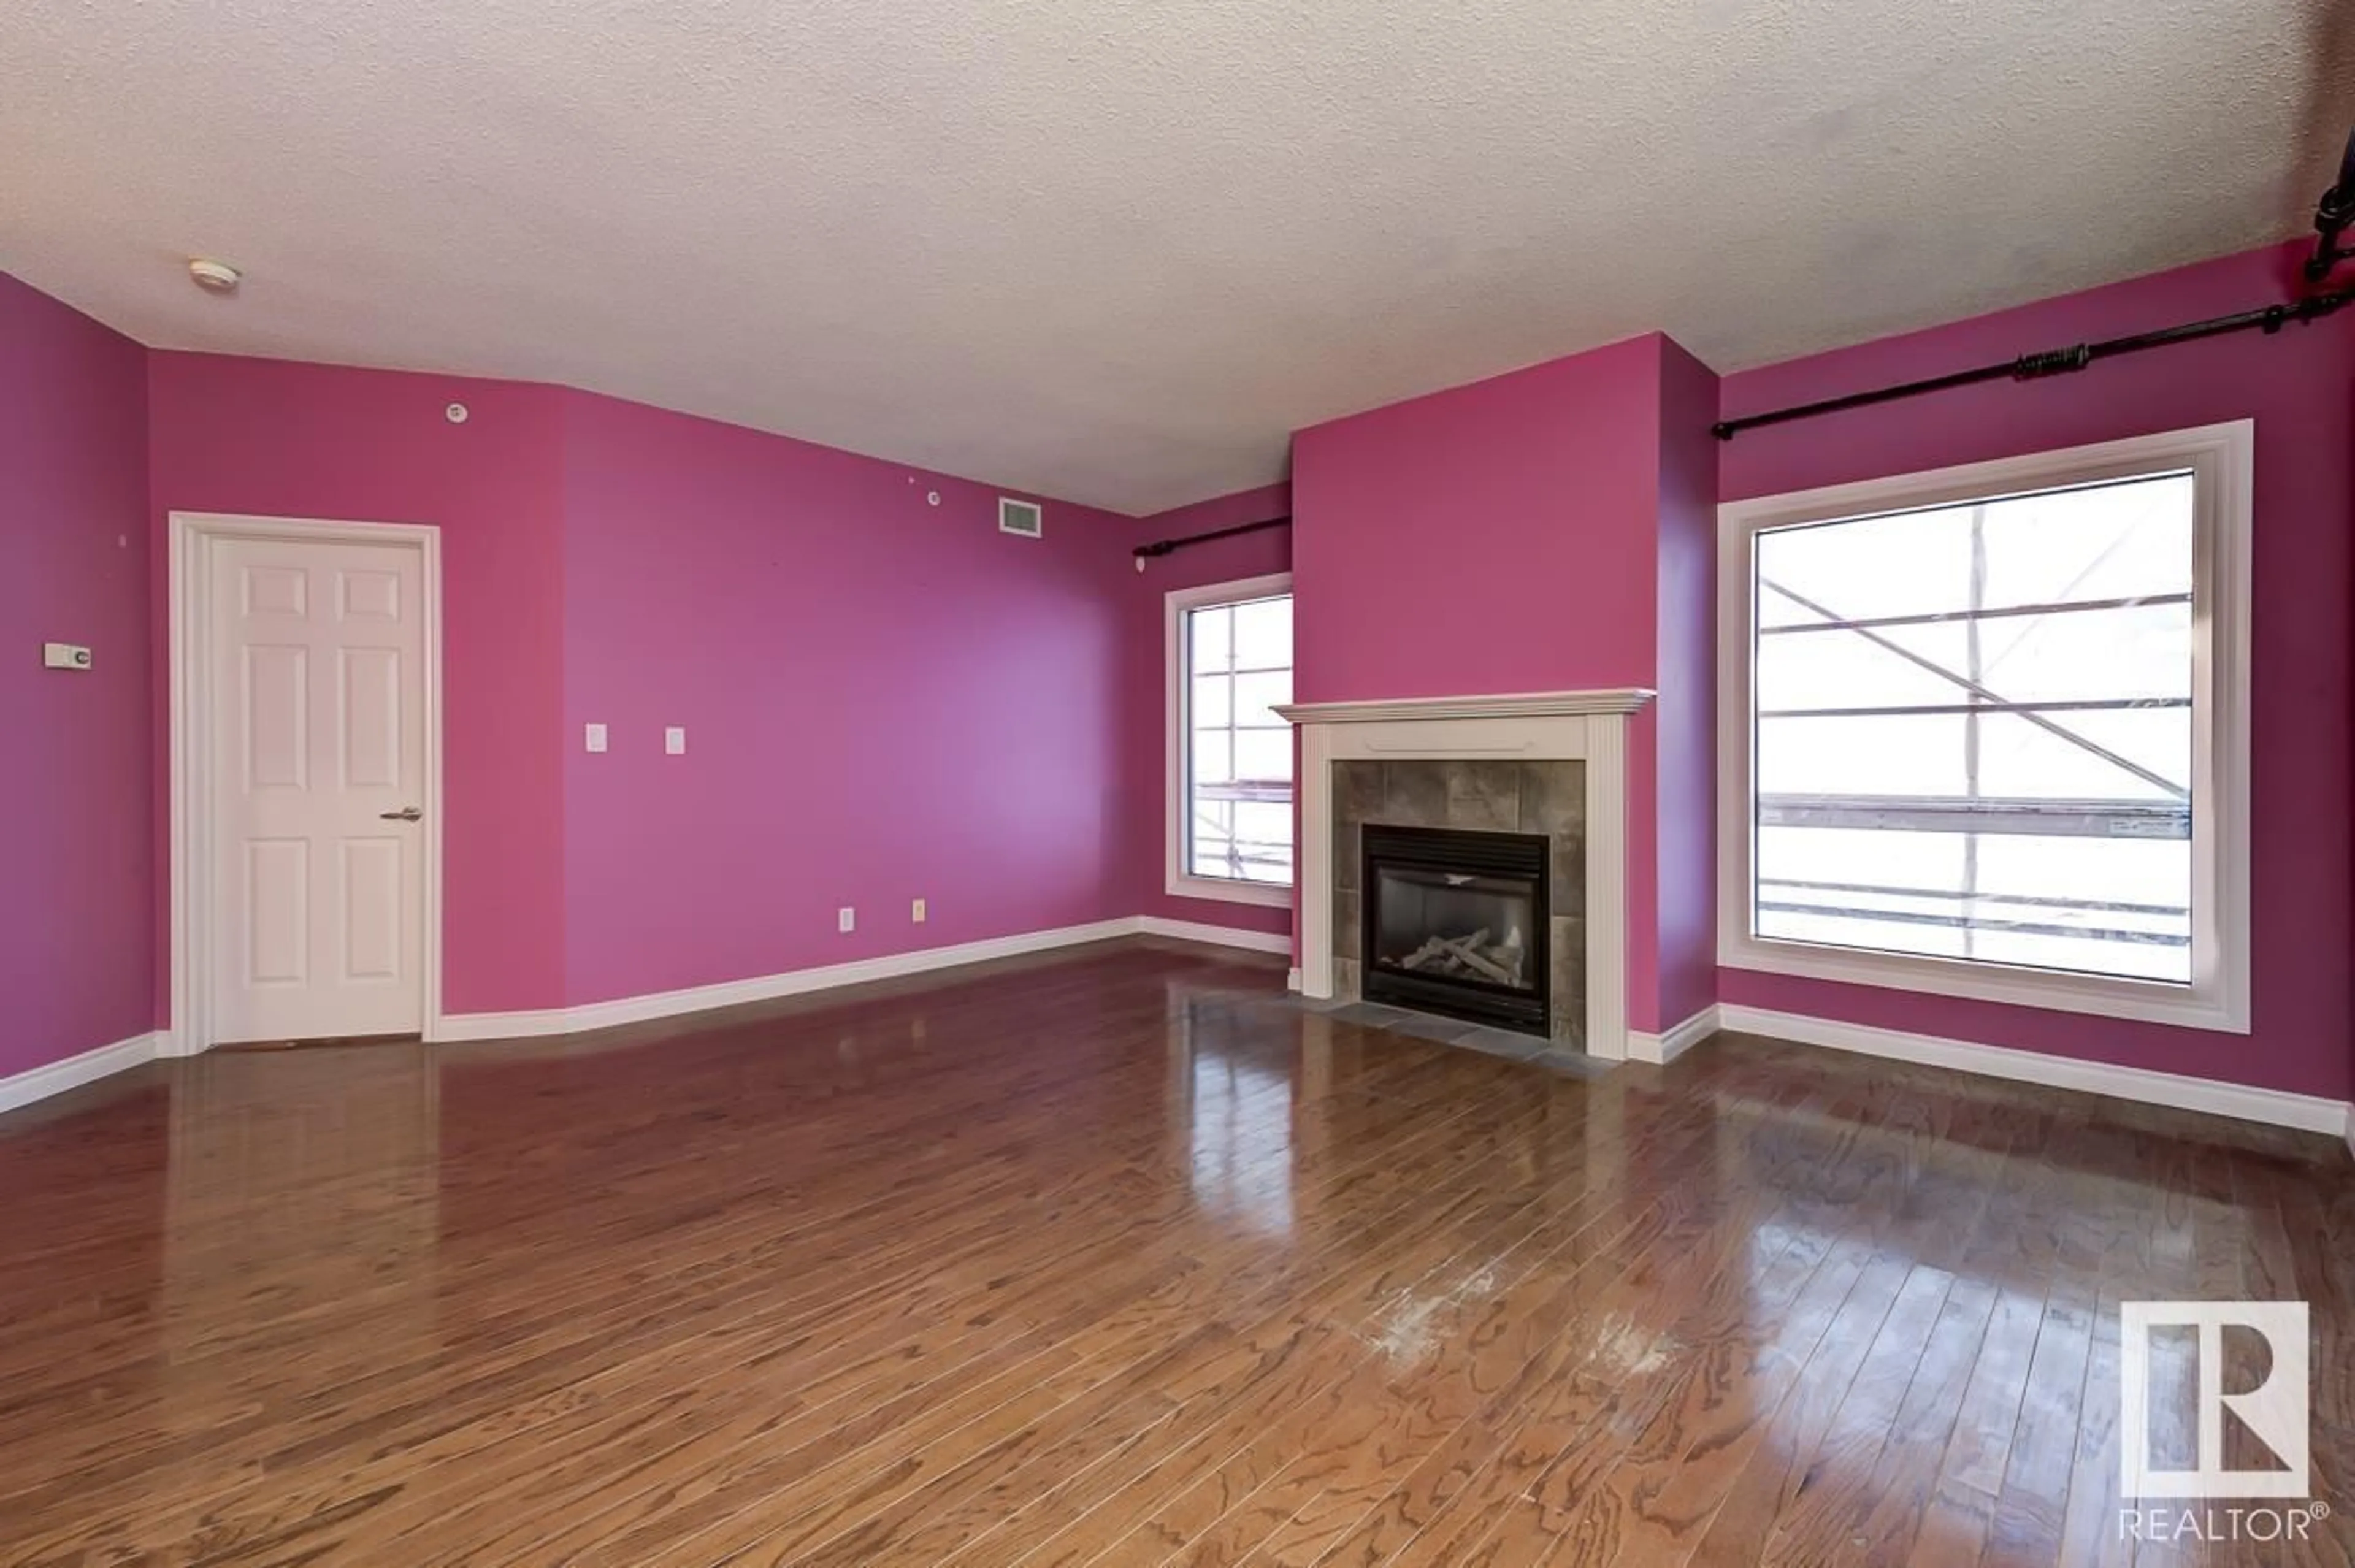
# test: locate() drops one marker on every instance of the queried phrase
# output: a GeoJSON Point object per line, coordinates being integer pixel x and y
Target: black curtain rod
{"type": "Point", "coordinates": [1163, 547]}
{"type": "Point", "coordinates": [2057, 361]}
{"type": "Point", "coordinates": [2333, 215]}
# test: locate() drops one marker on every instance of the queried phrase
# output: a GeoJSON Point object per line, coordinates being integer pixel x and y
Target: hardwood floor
{"type": "Point", "coordinates": [1114, 1258]}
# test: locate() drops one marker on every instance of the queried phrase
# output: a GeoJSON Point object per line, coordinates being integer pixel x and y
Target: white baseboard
{"type": "Point", "coordinates": [892, 966]}
{"type": "Point", "coordinates": [2276, 1107]}
{"type": "Point", "coordinates": [1664, 1048]}
{"type": "Point", "coordinates": [57, 1077]}
{"type": "Point", "coordinates": [1218, 935]}
{"type": "Point", "coordinates": [767, 988]}
{"type": "Point", "coordinates": [454, 1029]}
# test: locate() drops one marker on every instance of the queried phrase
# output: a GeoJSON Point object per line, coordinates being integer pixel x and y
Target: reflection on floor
{"type": "Point", "coordinates": [1536, 1048]}
{"type": "Point", "coordinates": [1118, 1256]}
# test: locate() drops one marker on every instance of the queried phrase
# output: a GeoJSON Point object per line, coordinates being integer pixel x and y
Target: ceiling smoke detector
{"type": "Point", "coordinates": [215, 277]}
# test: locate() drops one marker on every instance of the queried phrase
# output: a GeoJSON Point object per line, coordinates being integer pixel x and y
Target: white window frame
{"type": "Point", "coordinates": [1176, 880]}
{"type": "Point", "coordinates": [2220, 458]}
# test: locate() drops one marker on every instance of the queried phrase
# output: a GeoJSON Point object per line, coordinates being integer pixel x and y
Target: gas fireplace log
{"type": "Point", "coordinates": [1432, 950]}
{"type": "Point", "coordinates": [1494, 970]}
{"type": "Point", "coordinates": [1455, 954]}
{"type": "Point", "coordinates": [1458, 949]}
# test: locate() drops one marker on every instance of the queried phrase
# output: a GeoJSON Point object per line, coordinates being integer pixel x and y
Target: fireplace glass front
{"type": "Point", "coordinates": [1456, 922]}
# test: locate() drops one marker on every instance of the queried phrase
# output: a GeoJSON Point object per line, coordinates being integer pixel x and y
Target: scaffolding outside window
{"type": "Point", "coordinates": [1991, 730]}
{"type": "Point", "coordinates": [1974, 730]}
{"type": "Point", "coordinates": [1232, 754]}
{"type": "Point", "coordinates": [1239, 752]}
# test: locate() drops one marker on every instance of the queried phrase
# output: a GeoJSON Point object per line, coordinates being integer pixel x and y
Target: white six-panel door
{"type": "Point", "coordinates": [316, 701]}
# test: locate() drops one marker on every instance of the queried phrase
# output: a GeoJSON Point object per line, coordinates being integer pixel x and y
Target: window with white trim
{"type": "Point", "coordinates": [1230, 654]}
{"type": "Point", "coordinates": [1983, 730]}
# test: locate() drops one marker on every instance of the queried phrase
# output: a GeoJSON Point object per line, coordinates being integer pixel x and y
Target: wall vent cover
{"type": "Point", "coordinates": [1023, 518]}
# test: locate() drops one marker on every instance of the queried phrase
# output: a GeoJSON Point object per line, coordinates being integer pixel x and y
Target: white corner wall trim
{"type": "Point", "coordinates": [2275, 1107]}
{"type": "Point", "coordinates": [57, 1077]}
{"type": "Point", "coordinates": [644, 1008]}
{"type": "Point", "coordinates": [1217, 935]}
{"type": "Point", "coordinates": [1666, 1047]}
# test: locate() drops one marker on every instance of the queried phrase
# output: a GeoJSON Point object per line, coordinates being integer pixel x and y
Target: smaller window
{"type": "Point", "coordinates": [1230, 658]}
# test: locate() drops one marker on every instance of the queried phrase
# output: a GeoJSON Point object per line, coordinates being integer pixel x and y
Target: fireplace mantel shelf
{"type": "Point", "coordinates": [1515, 705]}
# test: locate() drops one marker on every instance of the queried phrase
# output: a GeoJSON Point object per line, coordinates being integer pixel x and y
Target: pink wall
{"type": "Point", "coordinates": [834, 647]}
{"type": "Point", "coordinates": [1684, 717]}
{"type": "Point", "coordinates": [1508, 536]}
{"type": "Point", "coordinates": [77, 952]}
{"type": "Point", "coordinates": [884, 700]}
{"type": "Point", "coordinates": [1145, 694]}
{"type": "Point", "coordinates": [2299, 388]}
{"type": "Point", "coordinates": [271, 437]}
{"type": "Point", "coordinates": [1491, 538]}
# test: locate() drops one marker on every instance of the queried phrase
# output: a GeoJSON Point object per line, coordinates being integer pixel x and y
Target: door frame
{"type": "Point", "coordinates": [192, 536]}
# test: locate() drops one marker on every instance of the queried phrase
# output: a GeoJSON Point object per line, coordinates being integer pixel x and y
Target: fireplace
{"type": "Point", "coordinates": [1548, 765]}
{"type": "Point", "coordinates": [1457, 922]}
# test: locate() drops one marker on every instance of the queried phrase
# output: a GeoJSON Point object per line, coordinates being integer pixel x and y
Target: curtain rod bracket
{"type": "Point", "coordinates": [1146, 552]}
{"type": "Point", "coordinates": [2051, 362]}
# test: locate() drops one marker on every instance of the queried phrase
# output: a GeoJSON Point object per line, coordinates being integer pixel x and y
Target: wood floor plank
{"type": "Point", "coordinates": [2035, 1491]}
{"type": "Point", "coordinates": [1678, 1292]}
{"type": "Point", "coordinates": [1107, 1519]}
{"type": "Point", "coordinates": [1115, 1257]}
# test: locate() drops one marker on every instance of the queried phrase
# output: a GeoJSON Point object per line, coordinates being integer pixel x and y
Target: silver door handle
{"type": "Point", "coordinates": [406, 813]}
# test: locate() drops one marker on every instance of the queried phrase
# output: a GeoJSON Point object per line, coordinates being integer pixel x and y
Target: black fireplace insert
{"type": "Point", "coordinates": [1456, 922]}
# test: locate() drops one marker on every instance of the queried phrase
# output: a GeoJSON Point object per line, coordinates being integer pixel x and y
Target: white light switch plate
{"type": "Point", "coordinates": [846, 918]}
{"type": "Point", "coordinates": [916, 911]}
{"type": "Point", "coordinates": [594, 736]}
{"type": "Point", "coordinates": [64, 655]}
{"type": "Point", "coordinates": [675, 740]}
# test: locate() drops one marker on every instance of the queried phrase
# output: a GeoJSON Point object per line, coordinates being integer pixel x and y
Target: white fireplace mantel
{"type": "Point", "coordinates": [1513, 705]}
{"type": "Point", "coordinates": [1534, 726]}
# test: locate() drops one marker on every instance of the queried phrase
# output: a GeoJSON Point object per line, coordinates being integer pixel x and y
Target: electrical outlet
{"type": "Point", "coordinates": [675, 740]}
{"type": "Point", "coordinates": [846, 918]}
{"type": "Point", "coordinates": [592, 736]}
{"type": "Point", "coordinates": [916, 911]}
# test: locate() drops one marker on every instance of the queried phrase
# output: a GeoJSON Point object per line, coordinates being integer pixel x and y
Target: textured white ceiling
{"type": "Point", "coordinates": [1114, 251]}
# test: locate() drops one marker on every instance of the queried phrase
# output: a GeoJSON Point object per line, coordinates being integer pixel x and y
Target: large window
{"type": "Point", "coordinates": [1983, 730]}
{"type": "Point", "coordinates": [1230, 651]}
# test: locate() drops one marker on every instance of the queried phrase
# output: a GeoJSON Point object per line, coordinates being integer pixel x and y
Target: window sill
{"type": "Point", "coordinates": [1266, 895]}
{"type": "Point", "coordinates": [2143, 1001]}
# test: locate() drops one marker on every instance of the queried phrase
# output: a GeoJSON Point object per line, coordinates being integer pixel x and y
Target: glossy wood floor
{"type": "Point", "coordinates": [1112, 1258]}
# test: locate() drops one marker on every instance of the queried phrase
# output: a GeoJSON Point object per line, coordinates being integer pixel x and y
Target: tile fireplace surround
{"type": "Point", "coordinates": [1548, 797]}
{"type": "Point", "coordinates": [1585, 727]}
